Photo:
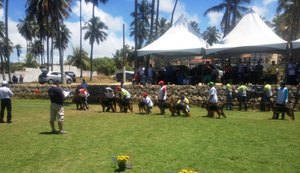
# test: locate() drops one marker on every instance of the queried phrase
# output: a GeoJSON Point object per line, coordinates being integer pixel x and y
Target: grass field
{"type": "Point", "coordinates": [244, 142]}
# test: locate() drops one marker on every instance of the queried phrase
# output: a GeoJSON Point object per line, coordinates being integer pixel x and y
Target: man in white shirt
{"type": "Point", "coordinates": [5, 96]}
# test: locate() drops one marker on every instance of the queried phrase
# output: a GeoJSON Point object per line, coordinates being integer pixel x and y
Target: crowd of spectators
{"type": "Point", "coordinates": [242, 73]}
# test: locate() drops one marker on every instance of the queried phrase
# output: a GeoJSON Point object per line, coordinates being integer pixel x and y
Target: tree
{"type": "Point", "coordinates": [195, 25]}
{"type": "Point", "coordinates": [8, 46]}
{"type": "Point", "coordinates": [94, 33]}
{"type": "Point", "coordinates": [79, 58]}
{"type": "Point", "coordinates": [19, 51]}
{"type": "Point", "coordinates": [54, 11]}
{"type": "Point", "coordinates": [173, 11]}
{"type": "Point", "coordinates": [105, 65]}
{"type": "Point", "coordinates": [140, 29]}
{"type": "Point", "coordinates": [211, 35]}
{"type": "Point", "coordinates": [27, 28]}
{"type": "Point", "coordinates": [233, 12]}
{"type": "Point", "coordinates": [289, 11]}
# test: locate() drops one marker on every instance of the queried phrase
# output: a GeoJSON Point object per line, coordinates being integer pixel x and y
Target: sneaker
{"type": "Point", "coordinates": [62, 132]}
{"type": "Point", "coordinates": [2, 121]}
{"type": "Point", "coordinates": [54, 132]}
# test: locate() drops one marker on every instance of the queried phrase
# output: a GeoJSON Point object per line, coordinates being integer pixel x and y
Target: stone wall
{"type": "Point", "coordinates": [195, 94]}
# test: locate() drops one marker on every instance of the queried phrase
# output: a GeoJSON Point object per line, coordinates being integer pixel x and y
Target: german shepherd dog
{"type": "Point", "coordinates": [181, 107]}
{"type": "Point", "coordinates": [282, 109]}
{"type": "Point", "coordinates": [211, 108]}
{"type": "Point", "coordinates": [143, 108]}
{"type": "Point", "coordinates": [107, 104]}
{"type": "Point", "coordinates": [79, 101]}
{"type": "Point", "coordinates": [124, 106]}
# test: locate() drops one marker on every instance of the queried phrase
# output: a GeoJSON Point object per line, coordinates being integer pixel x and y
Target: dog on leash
{"type": "Point", "coordinates": [211, 108]}
{"type": "Point", "coordinates": [79, 102]}
{"type": "Point", "coordinates": [283, 109]}
{"type": "Point", "coordinates": [107, 104]}
{"type": "Point", "coordinates": [123, 106]}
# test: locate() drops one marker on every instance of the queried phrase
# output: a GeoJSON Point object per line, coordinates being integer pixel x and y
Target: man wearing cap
{"type": "Point", "coordinates": [162, 96]}
{"type": "Point", "coordinates": [110, 99]}
{"type": "Point", "coordinates": [5, 96]}
{"type": "Point", "coordinates": [56, 107]}
{"type": "Point", "coordinates": [124, 96]}
{"type": "Point", "coordinates": [146, 100]}
{"type": "Point", "coordinates": [228, 92]}
{"type": "Point", "coordinates": [183, 104]}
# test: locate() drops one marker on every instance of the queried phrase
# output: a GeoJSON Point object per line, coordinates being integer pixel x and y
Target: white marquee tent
{"type": "Point", "coordinates": [179, 40]}
{"type": "Point", "coordinates": [251, 34]}
{"type": "Point", "coordinates": [296, 44]}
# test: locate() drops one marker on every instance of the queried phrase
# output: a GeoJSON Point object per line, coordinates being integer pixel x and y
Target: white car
{"type": "Point", "coordinates": [52, 76]}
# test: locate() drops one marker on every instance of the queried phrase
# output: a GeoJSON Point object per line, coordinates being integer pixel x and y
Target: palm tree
{"type": "Point", "coordinates": [79, 58]}
{"type": "Point", "coordinates": [232, 13]}
{"type": "Point", "coordinates": [27, 28]}
{"type": "Point", "coordinates": [7, 41]}
{"type": "Point", "coordinates": [289, 11]}
{"type": "Point", "coordinates": [140, 26]}
{"type": "Point", "coordinates": [174, 8]}
{"type": "Point", "coordinates": [96, 3]}
{"type": "Point", "coordinates": [19, 51]}
{"type": "Point", "coordinates": [54, 11]}
{"type": "Point", "coordinates": [94, 33]}
{"type": "Point", "coordinates": [157, 19]}
{"type": "Point", "coordinates": [65, 35]}
{"type": "Point", "coordinates": [36, 48]}
{"type": "Point", "coordinates": [195, 25]}
{"type": "Point", "coordinates": [211, 35]}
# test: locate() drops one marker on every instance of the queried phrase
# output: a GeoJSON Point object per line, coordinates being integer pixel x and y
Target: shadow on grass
{"type": "Point", "coordinates": [48, 133]}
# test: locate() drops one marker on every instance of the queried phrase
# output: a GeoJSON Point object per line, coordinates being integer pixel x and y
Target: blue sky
{"type": "Point", "coordinates": [116, 12]}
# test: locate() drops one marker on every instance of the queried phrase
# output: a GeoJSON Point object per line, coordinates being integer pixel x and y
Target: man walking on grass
{"type": "Point", "coordinates": [5, 96]}
{"type": "Point", "coordinates": [56, 108]}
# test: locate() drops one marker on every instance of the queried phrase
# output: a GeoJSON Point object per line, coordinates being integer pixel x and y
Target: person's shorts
{"type": "Point", "coordinates": [56, 112]}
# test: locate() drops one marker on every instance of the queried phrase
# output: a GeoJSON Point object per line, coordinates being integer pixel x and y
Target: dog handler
{"type": "Point", "coordinates": [56, 107]}
{"type": "Point", "coordinates": [212, 98]}
{"type": "Point", "coordinates": [5, 96]}
{"type": "Point", "coordinates": [281, 99]}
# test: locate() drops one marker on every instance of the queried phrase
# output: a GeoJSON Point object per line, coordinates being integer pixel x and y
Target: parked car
{"type": "Point", "coordinates": [52, 76]}
{"type": "Point", "coordinates": [71, 74]}
{"type": "Point", "coordinates": [129, 76]}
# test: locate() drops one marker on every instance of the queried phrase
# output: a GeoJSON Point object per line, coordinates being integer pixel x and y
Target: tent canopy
{"type": "Point", "coordinates": [251, 34]}
{"type": "Point", "coordinates": [296, 44]}
{"type": "Point", "coordinates": [179, 40]}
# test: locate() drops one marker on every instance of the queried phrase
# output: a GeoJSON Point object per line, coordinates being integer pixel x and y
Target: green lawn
{"type": "Point", "coordinates": [244, 142]}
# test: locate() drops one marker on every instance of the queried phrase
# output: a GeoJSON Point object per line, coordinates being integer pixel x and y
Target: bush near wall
{"type": "Point", "coordinates": [196, 94]}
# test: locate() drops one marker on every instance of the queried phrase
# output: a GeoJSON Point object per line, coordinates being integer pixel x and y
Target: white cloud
{"type": "Point", "coordinates": [267, 2]}
{"type": "Point", "coordinates": [107, 48]}
{"type": "Point", "coordinates": [215, 18]}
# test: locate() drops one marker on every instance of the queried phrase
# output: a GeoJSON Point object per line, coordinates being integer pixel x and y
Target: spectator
{"type": "Point", "coordinates": [291, 73]}
{"type": "Point", "coordinates": [56, 108]}
{"type": "Point", "coordinates": [267, 96]}
{"type": "Point", "coordinates": [150, 74]}
{"type": "Point", "coordinates": [21, 79]}
{"type": "Point", "coordinates": [14, 79]}
{"type": "Point", "coordinates": [162, 97]}
{"type": "Point", "coordinates": [5, 96]}
{"type": "Point", "coordinates": [228, 92]}
{"type": "Point", "coordinates": [273, 72]}
{"type": "Point", "coordinates": [281, 99]}
{"type": "Point", "coordinates": [242, 96]}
